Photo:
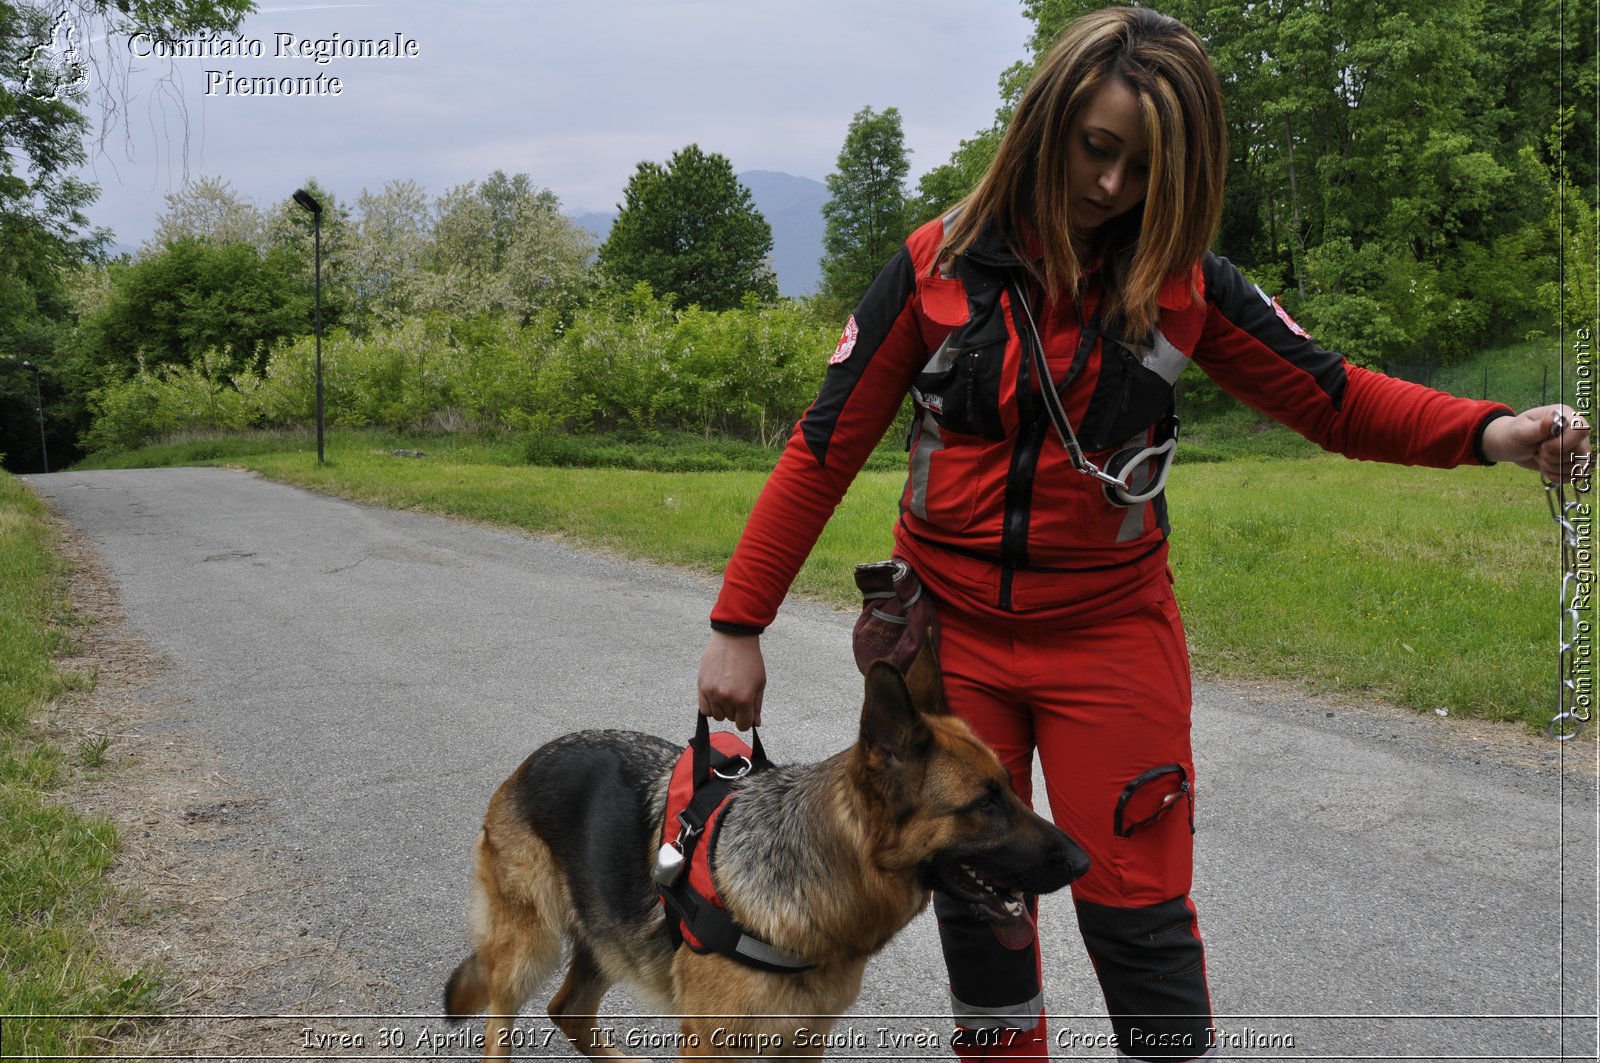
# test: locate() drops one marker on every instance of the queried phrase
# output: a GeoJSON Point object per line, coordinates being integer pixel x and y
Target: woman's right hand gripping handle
{"type": "Point", "coordinates": [732, 678]}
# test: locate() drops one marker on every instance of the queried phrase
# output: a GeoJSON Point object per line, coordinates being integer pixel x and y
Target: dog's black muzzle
{"type": "Point", "coordinates": [994, 881]}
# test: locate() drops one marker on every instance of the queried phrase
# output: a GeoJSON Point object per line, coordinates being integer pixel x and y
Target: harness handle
{"type": "Point", "coordinates": [704, 768]}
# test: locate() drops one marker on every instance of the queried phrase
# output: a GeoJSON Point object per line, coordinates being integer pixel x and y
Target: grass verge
{"type": "Point", "coordinates": [1434, 589]}
{"type": "Point", "coordinates": [51, 860]}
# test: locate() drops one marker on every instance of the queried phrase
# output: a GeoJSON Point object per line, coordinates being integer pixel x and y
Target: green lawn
{"type": "Point", "coordinates": [1430, 588]}
{"type": "Point", "coordinates": [51, 860]}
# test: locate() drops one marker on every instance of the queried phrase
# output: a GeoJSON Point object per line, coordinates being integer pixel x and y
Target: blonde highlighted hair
{"type": "Point", "coordinates": [1026, 186]}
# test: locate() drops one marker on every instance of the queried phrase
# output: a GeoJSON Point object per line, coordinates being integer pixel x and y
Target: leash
{"type": "Point", "coordinates": [1572, 712]}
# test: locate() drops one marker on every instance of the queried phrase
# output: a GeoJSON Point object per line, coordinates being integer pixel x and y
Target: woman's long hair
{"type": "Point", "coordinates": [1026, 186]}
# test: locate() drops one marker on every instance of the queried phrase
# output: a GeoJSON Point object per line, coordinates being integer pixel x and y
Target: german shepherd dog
{"type": "Point", "coordinates": [825, 861]}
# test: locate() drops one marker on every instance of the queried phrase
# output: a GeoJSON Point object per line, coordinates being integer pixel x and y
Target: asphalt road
{"type": "Point", "coordinates": [1370, 886]}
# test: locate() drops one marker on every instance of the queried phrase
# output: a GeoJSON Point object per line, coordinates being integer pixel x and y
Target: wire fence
{"type": "Point", "coordinates": [1481, 383]}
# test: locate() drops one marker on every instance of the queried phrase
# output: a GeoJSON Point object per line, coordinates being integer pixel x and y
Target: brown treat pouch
{"type": "Point", "coordinates": [896, 615]}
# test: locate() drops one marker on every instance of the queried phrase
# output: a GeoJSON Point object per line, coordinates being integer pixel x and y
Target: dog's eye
{"type": "Point", "coordinates": [990, 801]}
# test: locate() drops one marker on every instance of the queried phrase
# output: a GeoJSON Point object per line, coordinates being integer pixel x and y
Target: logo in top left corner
{"type": "Point", "coordinates": [55, 69]}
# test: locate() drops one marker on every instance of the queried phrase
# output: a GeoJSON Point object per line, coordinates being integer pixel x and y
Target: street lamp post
{"type": "Point", "coordinates": [309, 202]}
{"type": "Point", "coordinates": [38, 402]}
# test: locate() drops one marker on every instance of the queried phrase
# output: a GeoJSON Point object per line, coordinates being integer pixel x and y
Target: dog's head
{"type": "Point", "coordinates": [948, 809]}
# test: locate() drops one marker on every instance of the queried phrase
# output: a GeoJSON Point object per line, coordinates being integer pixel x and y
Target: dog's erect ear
{"type": "Point", "coordinates": [925, 681]}
{"type": "Point", "coordinates": [891, 725]}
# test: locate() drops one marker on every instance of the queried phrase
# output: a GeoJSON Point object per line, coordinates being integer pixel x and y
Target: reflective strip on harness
{"type": "Point", "coordinates": [1161, 357]}
{"type": "Point", "coordinates": [929, 440]}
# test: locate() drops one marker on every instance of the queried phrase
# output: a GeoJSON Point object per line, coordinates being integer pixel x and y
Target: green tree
{"type": "Point", "coordinates": [210, 210]}
{"type": "Point", "coordinates": [393, 232]}
{"type": "Point", "coordinates": [173, 307]}
{"type": "Point", "coordinates": [866, 217]}
{"type": "Point", "coordinates": [48, 72]}
{"type": "Point", "coordinates": [503, 247]}
{"type": "Point", "coordinates": [689, 229]}
{"type": "Point", "coordinates": [291, 243]}
{"type": "Point", "coordinates": [1379, 175]}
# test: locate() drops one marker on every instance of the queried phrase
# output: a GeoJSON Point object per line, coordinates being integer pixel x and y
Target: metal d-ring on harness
{"type": "Point", "coordinates": [1571, 715]}
{"type": "Point", "coordinates": [1118, 480]}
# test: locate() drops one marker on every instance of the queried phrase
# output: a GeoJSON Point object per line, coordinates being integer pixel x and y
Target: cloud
{"type": "Point", "coordinates": [575, 94]}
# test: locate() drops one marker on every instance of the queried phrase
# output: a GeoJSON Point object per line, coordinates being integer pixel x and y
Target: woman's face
{"type": "Point", "coordinates": [1108, 156]}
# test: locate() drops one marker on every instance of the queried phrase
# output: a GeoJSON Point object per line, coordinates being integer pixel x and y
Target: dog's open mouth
{"type": "Point", "coordinates": [991, 901]}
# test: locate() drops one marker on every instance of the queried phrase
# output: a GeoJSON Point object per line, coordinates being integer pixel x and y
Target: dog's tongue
{"type": "Point", "coordinates": [1016, 934]}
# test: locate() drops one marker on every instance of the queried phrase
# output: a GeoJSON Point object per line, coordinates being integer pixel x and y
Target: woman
{"type": "Point", "coordinates": [1079, 263]}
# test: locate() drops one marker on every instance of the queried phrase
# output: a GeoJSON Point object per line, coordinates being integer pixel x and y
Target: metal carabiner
{"type": "Point", "coordinates": [743, 768]}
{"type": "Point", "coordinates": [1121, 471]}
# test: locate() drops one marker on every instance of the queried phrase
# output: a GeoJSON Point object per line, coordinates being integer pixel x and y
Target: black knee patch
{"type": "Point", "coordinates": [1151, 966]}
{"type": "Point", "coordinates": [984, 973]}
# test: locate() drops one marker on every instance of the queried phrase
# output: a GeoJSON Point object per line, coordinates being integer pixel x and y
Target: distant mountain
{"type": "Point", "coordinates": [792, 206]}
{"type": "Point", "coordinates": [597, 222]}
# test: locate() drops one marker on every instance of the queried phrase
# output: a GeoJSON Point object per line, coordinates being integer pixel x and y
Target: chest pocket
{"type": "Point", "coordinates": [1128, 399]}
{"type": "Point", "coordinates": [960, 385]}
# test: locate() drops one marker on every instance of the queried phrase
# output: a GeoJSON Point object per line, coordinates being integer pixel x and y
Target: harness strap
{"type": "Point", "coordinates": [716, 931]}
{"type": "Point", "coordinates": [713, 775]}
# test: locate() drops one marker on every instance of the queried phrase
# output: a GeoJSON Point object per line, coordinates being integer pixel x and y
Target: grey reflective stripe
{"type": "Point", "coordinates": [1024, 1016]}
{"type": "Point", "coordinates": [760, 950]}
{"type": "Point", "coordinates": [1132, 523]}
{"type": "Point", "coordinates": [941, 359]}
{"type": "Point", "coordinates": [928, 441]}
{"type": "Point", "coordinates": [1163, 359]}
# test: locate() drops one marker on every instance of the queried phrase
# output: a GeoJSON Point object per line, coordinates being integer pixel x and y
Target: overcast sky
{"type": "Point", "coordinates": [574, 93]}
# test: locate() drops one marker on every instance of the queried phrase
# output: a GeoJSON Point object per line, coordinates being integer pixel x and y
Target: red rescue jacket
{"type": "Point", "coordinates": [993, 515]}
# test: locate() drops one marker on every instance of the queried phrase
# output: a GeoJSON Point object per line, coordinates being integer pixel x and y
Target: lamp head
{"type": "Point", "coordinates": [308, 201]}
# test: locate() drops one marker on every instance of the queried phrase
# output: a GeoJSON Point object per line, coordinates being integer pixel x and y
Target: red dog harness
{"type": "Point", "coordinates": [699, 792]}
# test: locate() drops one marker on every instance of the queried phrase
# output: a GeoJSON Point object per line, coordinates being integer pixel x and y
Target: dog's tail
{"type": "Point", "coordinates": [467, 991]}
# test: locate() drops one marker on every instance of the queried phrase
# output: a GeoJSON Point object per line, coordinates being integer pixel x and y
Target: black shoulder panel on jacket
{"type": "Point", "coordinates": [1253, 312]}
{"type": "Point", "coordinates": [873, 319]}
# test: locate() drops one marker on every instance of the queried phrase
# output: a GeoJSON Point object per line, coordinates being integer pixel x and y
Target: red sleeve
{"type": "Point", "coordinates": [884, 346]}
{"type": "Point", "coordinates": [1257, 354]}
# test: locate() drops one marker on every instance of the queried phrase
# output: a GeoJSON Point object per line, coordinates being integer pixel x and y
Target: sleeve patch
{"type": "Point", "coordinates": [1283, 315]}
{"type": "Point", "coordinates": [847, 342]}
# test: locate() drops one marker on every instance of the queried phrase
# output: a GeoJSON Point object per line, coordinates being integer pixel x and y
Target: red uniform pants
{"type": "Point", "coordinates": [1108, 709]}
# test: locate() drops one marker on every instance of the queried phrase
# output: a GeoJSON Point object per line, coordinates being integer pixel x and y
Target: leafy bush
{"type": "Point", "coordinates": [630, 363]}
{"type": "Point", "coordinates": [171, 399]}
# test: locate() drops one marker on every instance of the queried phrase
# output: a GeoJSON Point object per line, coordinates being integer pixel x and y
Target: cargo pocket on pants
{"type": "Point", "coordinates": [1151, 828]}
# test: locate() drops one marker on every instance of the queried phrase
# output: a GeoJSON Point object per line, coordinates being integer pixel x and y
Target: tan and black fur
{"type": "Point", "coordinates": [827, 861]}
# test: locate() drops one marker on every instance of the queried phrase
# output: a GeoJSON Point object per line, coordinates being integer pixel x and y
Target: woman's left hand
{"type": "Point", "coordinates": [1530, 440]}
